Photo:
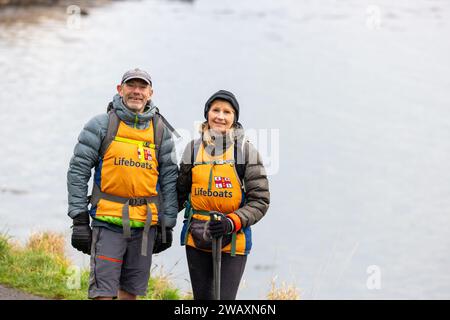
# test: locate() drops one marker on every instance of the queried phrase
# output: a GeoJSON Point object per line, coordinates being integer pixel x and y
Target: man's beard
{"type": "Point", "coordinates": [134, 105]}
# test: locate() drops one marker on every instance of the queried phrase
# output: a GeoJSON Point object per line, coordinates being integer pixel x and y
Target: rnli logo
{"type": "Point", "coordinates": [222, 183]}
{"type": "Point", "coordinates": [147, 154]}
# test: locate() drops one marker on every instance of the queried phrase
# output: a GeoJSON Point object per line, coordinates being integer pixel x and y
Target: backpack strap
{"type": "Point", "coordinates": [195, 145]}
{"type": "Point", "coordinates": [240, 156]}
{"type": "Point", "coordinates": [158, 131]}
{"type": "Point", "coordinates": [158, 135]}
{"type": "Point", "coordinates": [110, 107]}
{"type": "Point", "coordinates": [168, 125]}
{"type": "Point", "coordinates": [159, 122]}
{"type": "Point", "coordinates": [113, 127]}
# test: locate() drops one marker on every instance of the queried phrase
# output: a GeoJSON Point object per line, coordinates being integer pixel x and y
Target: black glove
{"type": "Point", "coordinates": [82, 233]}
{"type": "Point", "coordinates": [218, 228]}
{"type": "Point", "coordinates": [159, 245]}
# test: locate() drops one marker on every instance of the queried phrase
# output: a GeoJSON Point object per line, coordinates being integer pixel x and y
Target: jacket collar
{"type": "Point", "coordinates": [131, 117]}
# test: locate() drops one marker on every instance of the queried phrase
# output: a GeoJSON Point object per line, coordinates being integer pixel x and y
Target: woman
{"type": "Point", "coordinates": [220, 173]}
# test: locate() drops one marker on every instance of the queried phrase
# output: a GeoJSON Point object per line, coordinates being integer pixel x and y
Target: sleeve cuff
{"type": "Point", "coordinates": [236, 221]}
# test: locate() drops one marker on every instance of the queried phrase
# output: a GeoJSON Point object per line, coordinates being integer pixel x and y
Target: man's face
{"type": "Point", "coordinates": [135, 94]}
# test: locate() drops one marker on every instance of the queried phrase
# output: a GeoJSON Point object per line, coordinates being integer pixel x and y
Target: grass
{"type": "Point", "coordinates": [160, 287]}
{"type": "Point", "coordinates": [41, 268]}
{"type": "Point", "coordinates": [285, 292]}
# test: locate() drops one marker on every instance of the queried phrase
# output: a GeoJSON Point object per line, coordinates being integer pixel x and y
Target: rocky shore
{"type": "Point", "coordinates": [28, 3]}
{"type": "Point", "coordinates": [32, 11]}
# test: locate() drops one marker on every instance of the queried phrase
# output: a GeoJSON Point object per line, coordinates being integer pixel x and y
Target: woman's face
{"type": "Point", "coordinates": [220, 116]}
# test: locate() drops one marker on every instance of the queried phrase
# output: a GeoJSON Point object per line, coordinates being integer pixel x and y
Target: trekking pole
{"type": "Point", "coordinates": [217, 259]}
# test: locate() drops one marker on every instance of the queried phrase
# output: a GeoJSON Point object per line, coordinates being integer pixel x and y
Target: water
{"type": "Point", "coordinates": [357, 90]}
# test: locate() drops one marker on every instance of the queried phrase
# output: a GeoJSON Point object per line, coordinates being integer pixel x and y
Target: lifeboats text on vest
{"type": "Point", "coordinates": [209, 193]}
{"type": "Point", "coordinates": [131, 163]}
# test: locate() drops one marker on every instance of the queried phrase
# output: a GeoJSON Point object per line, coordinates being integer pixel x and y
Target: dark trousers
{"type": "Point", "coordinates": [200, 265]}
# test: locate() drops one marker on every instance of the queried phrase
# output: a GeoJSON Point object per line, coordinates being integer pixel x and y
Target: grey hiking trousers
{"type": "Point", "coordinates": [117, 263]}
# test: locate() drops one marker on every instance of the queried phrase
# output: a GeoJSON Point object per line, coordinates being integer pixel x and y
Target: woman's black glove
{"type": "Point", "coordinates": [218, 228]}
{"type": "Point", "coordinates": [82, 233]}
{"type": "Point", "coordinates": [159, 245]}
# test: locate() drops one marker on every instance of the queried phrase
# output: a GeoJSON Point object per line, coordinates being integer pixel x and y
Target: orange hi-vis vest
{"type": "Point", "coordinates": [216, 186]}
{"type": "Point", "coordinates": [129, 169]}
{"type": "Point", "coordinates": [125, 190]}
{"type": "Point", "coordinates": [125, 182]}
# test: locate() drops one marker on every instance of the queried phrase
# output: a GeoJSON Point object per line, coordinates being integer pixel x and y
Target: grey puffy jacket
{"type": "Point", "coordinates": [86, 156]}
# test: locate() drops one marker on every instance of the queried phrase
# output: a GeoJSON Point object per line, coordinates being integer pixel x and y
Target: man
{"type": "Point", "coordinates": [134, 201]}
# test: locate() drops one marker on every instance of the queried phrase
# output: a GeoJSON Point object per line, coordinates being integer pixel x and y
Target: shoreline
{"type": "Point", "coordinates": [47, 3]}
{"type": "Point", "coordinates": [32, 11]}
{"type": "Point", "coordinates": [7, 293]}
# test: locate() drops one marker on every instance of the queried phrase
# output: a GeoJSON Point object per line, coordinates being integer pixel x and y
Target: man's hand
{"type": "Point", "coordinates": [82, 233]}
{"type": "Point", "coordinates": [159, 245]}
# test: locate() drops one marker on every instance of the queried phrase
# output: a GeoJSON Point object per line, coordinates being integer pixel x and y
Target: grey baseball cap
{"type": "Point", "coordinates": [136, 74]}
